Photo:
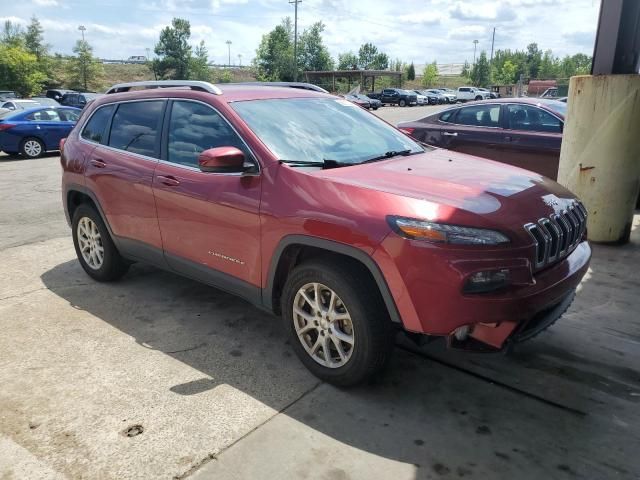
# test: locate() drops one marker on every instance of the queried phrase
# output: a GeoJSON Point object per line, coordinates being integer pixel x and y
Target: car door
{"type": "Point", "coordinates": [532, 139]}
{"type": "Point", "coordinates": [209, 221]}
{"type": "Point", "coordinates": [475, 130]}
{"type": "Point", "coordinates": [120, 172]}
{"type": "Point", "coordinates": [48, 126]}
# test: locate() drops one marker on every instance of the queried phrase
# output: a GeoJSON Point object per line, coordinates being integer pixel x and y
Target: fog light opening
{"type": "Point", "coordinates": [461, 333]}
{"type": "Point", "coordinates": [487, 281]}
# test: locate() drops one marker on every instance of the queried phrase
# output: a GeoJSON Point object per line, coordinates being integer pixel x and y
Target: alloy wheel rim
{"type": "Point", "coordinates": [323, 325]}
{"type": "Point", "coordinates": [90, 243]}
{"type": "Point", "coordinates": [33, 148]}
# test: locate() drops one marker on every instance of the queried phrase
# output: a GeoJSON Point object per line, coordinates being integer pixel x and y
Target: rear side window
{"type": "Point", "coordinates": [68, 115]}
{"type": "Point", "coordinates": [44, 116]}
{"type": "Point", "coordinates": [193, 128]}
{"type": "Point", "coordinates": [479, 116]}
{"type": "Point", "coordinates": [135, 127]}
{"type": "Point", "coordinates": [448, 116]}
{"type": "Point", "coordinates": [96, 128]}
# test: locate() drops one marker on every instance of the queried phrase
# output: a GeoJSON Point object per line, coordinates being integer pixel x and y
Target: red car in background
{"type": "Point", "coordinates": [313, 209]}
{"type": "Point", "coordinates": [523, 132]}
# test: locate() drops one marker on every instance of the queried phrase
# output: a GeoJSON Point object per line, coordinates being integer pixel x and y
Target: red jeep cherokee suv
{"type": "Point", "coordinates": [316, 210]}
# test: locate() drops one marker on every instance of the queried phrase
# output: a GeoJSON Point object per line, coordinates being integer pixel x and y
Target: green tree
{"type": "Point", "coordinates": [466, 70]}
{"type": "Point", "coordinates": [347, 61]}
{"type": "Point", "coordinates": [274, 56]}
{"type": "Point", "coordinates": [534, 59]}
{"type": "Point", "coordinates": [34, 40]}
{"type": "Point", "coordinates": [369, 58]}
{"type": "Point", "coordinates": [549, 66]}
{"type": "Point", "coordinates": [313, 55]}
{"type": "Point", "coordinates": [411, 72]}
{"type": "Point", "coordinates": [85, 71]}
{"type": "Point", "coordinates": [19, 70]}
{"type": "Point", "coordinates": [481, 72]}
{"type": "Point", "coordinates": [199, 68]}
{"type": "Point", "coordinates": [507, 74]}
{"type": "Point", "coordinates": [12, 34]}
{"type": "Point", "coordinates": [430, 74]}
{"type": "Point", "coordinates": [174, 51]}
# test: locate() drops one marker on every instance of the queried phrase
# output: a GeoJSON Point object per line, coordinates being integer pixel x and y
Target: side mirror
{"type": "Point", "coordinates": [222, 160]}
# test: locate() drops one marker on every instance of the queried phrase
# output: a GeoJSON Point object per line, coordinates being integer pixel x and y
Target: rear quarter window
{"type": "Point", "coordinates": [96, 128]}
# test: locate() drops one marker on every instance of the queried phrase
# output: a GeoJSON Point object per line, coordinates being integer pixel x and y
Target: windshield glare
{"type": "Point", "coordinates": [318, 129]}
{"type": "Point", "coordinates": [555, 106]}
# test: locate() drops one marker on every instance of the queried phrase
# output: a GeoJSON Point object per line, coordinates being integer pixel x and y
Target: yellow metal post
{"type": "Point", "coordinates": [600, 155]}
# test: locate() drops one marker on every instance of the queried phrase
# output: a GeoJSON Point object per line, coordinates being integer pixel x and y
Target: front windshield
{"type": "Point", "coordinates": [318, 129]}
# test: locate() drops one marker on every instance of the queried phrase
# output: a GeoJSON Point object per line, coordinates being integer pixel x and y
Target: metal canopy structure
{"type": "Point", "coordinates": [617, 49]}
{"type": "Point", "coordinates": [363, 77]}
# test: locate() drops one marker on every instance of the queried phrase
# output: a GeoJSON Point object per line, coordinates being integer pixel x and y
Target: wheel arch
{"type": "Point", "coordinates": [77, 195]}
{"type": "Point", "coordinates": [294, 249]}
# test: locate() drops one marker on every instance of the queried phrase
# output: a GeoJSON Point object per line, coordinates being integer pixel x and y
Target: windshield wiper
{"type": "Point", "coordinates": [386, 155]}
{"type": "Point", "coordinates": [326, 163]}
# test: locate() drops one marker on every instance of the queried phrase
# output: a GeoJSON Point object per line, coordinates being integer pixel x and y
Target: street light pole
{"type": "Point", "coordinates": [295, 39]}
{"type": "Point", "coordinates": [228, 42]}
{"type": "Point", "coordinates": [475, 45]}
{"type": "Point", "coordinates": [83, 59]}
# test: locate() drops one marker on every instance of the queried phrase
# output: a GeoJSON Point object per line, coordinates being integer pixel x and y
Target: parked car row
{"type": "Point", "coordinates": [363, 101]}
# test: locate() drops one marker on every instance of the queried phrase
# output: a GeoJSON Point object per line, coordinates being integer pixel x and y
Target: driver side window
{"type": "Point", "coordinates": [195, 127]}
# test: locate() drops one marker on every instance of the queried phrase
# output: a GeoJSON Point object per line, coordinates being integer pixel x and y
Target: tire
{"type": "Point", "coordinates": [368, 327]}
{"type": "Point", "coordinates": [112, 266]}
{"type": "Point", "coordinates": [478, 97]}
{"type": "Point", "coordinates": [402, 103]}
{"type": "Point", "coordinates": [32, 147]}
{"type": "Point", "coordinates": [375, 108]}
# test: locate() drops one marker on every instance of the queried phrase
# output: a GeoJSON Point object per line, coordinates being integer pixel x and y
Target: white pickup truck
{"type": "Point", "coordinates": [465, 94]}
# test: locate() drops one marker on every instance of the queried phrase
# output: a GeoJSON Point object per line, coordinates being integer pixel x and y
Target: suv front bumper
{"type": "Point", "coordinates": [427, 282]}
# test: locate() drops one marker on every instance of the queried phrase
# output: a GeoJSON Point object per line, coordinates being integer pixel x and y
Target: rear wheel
{"type": "Point", "coordinates": [94, 247]}
{"type": "Point", "coordinates": [338, 325]}
{"type": "Point", "coordinates": [479, 97]}
{"type": "Point", "coordinates": [31, 147]}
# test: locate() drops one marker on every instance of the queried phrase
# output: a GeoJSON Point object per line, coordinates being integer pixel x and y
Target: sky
{"type": "Point", "coordinates": [413, 30]}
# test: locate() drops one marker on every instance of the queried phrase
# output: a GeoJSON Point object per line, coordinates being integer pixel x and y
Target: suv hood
{"type": "Point", "coordinates": [450, 185]}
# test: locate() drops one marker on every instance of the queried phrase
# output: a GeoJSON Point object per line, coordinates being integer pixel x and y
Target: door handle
{"type": "Point", "coordinates": [450, 134]}
{"type": "Point", "coordinates": [168, 180]}
{"type": "Point", "coordinates": [98, 163]}
{"type": "Point", "coordinates": [508, 138]}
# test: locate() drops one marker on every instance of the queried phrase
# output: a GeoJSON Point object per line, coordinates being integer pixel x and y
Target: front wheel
{"type": "Point", "coordinates": [478, 97]}
{"type": "Point", "coordinates": [402, 103]}
{"type": "Point", "coordinates": [337, 321]}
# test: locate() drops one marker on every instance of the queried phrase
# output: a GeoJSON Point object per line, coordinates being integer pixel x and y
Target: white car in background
{"type": "Point", "coordinates": [422, 100]}
{"type": "Point", "coordinates": [466, 94]}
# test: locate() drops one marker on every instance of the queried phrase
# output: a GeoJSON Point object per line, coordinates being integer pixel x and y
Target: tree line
{"type": "Point", "coordinates": [27, 66]}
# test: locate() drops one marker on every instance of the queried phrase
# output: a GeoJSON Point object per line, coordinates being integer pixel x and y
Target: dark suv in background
{"type": "Point", "coordinates": [78, 100]}
{"type": "Point", "coordinates": [334, 220]}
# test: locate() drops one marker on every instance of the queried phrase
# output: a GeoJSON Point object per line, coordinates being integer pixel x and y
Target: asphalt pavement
{"type": "Point", "coordinates": [157, 376]}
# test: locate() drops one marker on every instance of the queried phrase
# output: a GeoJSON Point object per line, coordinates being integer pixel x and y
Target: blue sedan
{"type": "Point", "coordinates": [37, 130]}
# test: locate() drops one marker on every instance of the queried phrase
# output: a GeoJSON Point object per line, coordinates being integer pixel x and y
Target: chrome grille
{"type": "Point", "coordinates": [557, 235]}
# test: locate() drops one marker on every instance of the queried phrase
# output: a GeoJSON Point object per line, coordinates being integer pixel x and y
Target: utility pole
{"type": "Point", "coordinates": [82, 28]}
{"type": "Point", "coordinates": [295, 39]}
{"type": "Point", "coordinates": [475, 45]}
{"type": "Point", "coordinates": [493, 41]}
{"type": "Point", "coordinates": [228, 42]}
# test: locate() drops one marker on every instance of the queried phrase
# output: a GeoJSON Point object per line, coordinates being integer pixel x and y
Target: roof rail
{"type": "Point", "coordinates": [193, 84]}
{"type": "Point", "coordinates": [300, 85]}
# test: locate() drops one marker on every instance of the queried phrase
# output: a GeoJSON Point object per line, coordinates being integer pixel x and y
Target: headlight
{"type": "Point", "coordinates": [444, 233]}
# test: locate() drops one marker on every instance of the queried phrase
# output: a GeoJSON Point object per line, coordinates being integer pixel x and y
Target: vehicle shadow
{"type": "Point", "coordinates": [436, 420]}
{"type": "Point", "coordinates": [5, 157]}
